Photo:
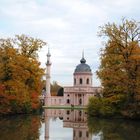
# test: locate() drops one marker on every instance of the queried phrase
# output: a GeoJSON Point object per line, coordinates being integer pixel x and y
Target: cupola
{"type": "Point", "coordinates": [82, 74]}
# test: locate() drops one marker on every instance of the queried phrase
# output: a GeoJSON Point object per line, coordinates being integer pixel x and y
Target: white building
{"type": "Point", "coordinates": [79, 93]}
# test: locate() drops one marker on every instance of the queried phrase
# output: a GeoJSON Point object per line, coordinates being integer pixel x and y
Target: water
{"type": "Point", "coordinates": [67, 125]}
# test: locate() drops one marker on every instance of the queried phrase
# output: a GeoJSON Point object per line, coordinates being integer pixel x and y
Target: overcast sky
{"type": "Point", "coordinates": [68, 26]}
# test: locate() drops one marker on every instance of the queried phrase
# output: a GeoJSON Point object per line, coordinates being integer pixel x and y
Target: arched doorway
{"type": "Point", "coordinates": [80, 101]}
{"type": "Point", "coordinates": [68, 101]}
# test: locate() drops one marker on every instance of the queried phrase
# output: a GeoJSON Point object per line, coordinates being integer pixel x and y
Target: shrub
{"type": "Point", "coordinates": [105, 106]}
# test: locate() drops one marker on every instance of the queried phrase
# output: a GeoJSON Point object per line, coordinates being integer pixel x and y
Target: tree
{"type": "Point", "coordinates": [28, 46]}
{"type": "Point", "coordinates": [60, 92]}
{"type": "Point", "coordinates": [120, 59]}
{"type": "Point", "coordinates": [20, 74]}
{"type": "Point", "coordinates": [54, 88]}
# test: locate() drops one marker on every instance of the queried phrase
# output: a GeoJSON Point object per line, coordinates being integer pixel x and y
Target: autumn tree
{"type": "Point", "coordinates": [55, 86]}
{"type": "Point", "coordinates": [120, 60]}
{"type": "Point", "coordinates": [20, 74]}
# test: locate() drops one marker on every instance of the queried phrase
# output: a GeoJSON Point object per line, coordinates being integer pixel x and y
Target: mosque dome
{"type": "Point", "coordinates": [83, 67]}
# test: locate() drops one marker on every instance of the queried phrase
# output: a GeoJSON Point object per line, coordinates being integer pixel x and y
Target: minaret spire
{"type": "Point", "coordinates": [48, 54]}
{"type": "Point", "coordinates": [83, 54]}
{"type": "Point", "coordinates": [83, 60]}
{"type": "Point", "coordinates": [48, 70]}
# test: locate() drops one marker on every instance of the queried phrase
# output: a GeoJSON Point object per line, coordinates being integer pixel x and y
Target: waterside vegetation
{"type": "Point", "coordinates": [119, 72]}
{"type": "Point", "coordinates": [20, 74]}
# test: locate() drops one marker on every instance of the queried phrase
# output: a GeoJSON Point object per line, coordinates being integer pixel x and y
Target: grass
{"type": "Point", "coordinates": [64, 107]}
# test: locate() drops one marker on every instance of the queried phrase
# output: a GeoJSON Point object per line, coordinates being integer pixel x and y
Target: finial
{"type": "Point", "coordinates": [48, 54]}
{"type": "Point", "coordinates": [83, 59]}
{"type": "Point", "coordinates": [83, 54]}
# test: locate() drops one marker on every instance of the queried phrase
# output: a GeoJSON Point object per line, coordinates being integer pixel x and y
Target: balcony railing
{"type": "Point", "coordinates": [82, 89]}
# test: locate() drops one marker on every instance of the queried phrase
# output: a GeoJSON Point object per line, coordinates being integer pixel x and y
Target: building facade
{"type": "Point", "coordinates": [75, 119]}
{"type": "Point", "coordinates": [79, 93]}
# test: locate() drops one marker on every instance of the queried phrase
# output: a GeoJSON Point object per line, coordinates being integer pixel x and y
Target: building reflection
{"type": "Point", "coordinates": [75, 119]}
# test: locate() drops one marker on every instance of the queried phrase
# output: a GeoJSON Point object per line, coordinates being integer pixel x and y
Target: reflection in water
{"type": "Point", "coordinates": [92, 128]}
{"type": "Point", "coordinates": [20, 128]}
{"type": "Point", "coordinates": [115, 129]}
{"type": "Point", "coordinates": [75, 119]}
{"type": "Point", "coordinates": [67, 125]}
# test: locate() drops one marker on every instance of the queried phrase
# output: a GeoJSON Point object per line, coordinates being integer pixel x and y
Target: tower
{"type": "Point", "coordinates": [83, 74]}
{"type": "Point", "coordinates": [48, 70]}
{"type": "Point", "coordinates": [82, 81]}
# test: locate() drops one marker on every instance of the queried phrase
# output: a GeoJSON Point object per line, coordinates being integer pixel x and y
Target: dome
{"type": "Point", "coordinates": [82, 67]}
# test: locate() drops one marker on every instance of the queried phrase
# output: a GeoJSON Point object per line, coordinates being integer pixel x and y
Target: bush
{"type": "Point", "coordinates": [105, 106]}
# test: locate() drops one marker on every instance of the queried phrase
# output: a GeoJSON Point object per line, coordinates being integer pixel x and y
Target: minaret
{"type": "Point", "coordinates": [47, 124]}
{"type": "Point", "coordinates": [48, 67]}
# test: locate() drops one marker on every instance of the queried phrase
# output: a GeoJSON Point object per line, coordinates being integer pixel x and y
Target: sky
{"type": "Point", "coordinates": [68, 27]}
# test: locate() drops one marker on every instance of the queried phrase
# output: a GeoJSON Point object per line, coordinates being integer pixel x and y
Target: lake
{"type": "Point", "coordinates": [67, 125]}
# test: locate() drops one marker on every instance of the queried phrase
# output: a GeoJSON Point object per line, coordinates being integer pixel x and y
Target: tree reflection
{"type": "Point", "coordinates": [114, 129]}
{"type": "Point", "coordinates": [20, 128]}
{"type": "Point", "coordinates": [28, 127]}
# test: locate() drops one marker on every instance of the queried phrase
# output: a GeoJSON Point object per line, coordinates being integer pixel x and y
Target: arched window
{"type": "Point", "coordinates": [74, 81]}
{"type": "Point", "coordinates": [80, 113]}
{"type": "Point", "coordinates": [80, 101]}
{"type": "Point", "coordinates": [87, 134]}
{"type": "Point", "coordinates": [81, 81]}
{"type": "Point", "coordinates": [80, 134]}
{"type": "Point", "coordinates": [68, 101]}
{"type": "Point", "coordinates": [87, 81]}
{"type": "Point", "coordinates": [68, 112]}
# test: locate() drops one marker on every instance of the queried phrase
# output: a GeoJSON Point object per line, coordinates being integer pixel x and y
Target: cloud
{"type": "Point", "coordinates": [68, 26]}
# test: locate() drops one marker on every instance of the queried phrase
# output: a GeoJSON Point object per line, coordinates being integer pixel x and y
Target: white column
{"type": "Point", "coordinates": [83, 100]}
{"type": "Point", "coordinates": [77, 100]}
{"type": "Point", "coordinates": [47, 125]}
{"type": "Point", "coordinates": [48, 79]}
{"type": "Point", "coordinates": [48, 68]}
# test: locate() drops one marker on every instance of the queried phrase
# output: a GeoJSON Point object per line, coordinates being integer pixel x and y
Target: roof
{"type": "Point", "coordinates": [83, 67]}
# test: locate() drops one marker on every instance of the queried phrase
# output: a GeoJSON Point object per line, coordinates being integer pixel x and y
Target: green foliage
{"type": "Point", "coordinates": [60, 92]}
{"type": "Point", "coordinates": [106, 106]}
{"type": "Point", "coordinates": [114, 129]}
{"type": "Point", "coordinates": [93, 106]}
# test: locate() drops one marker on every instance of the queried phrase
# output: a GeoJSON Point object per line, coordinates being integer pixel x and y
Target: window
{"type": "Point", "coordinates": [87, 134]}
{"type": "Point", "coordinates": [79, 119]}
{"type": "Point", "coordinates": [74, 81]}
{"type": "Point", "coordinates": [68, 101]}
{"type": "Point", "coordinates": [80, 101]}
{"type": "Point", "coordinates": [80, 113]}
{"type": "Point", "coordinates": [87, 81]}
{"type": "Point", "coordinates": [80, 134]}
{"type": "Point", "coordinates": [74, 133]}
{"type": "Point", "coordinates": [68, 112]}
{"type": "Point", "coordinates": [81, 81]}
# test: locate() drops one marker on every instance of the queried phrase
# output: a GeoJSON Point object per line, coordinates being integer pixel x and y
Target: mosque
{"type": "Point", "coordinates": [79, 93]}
